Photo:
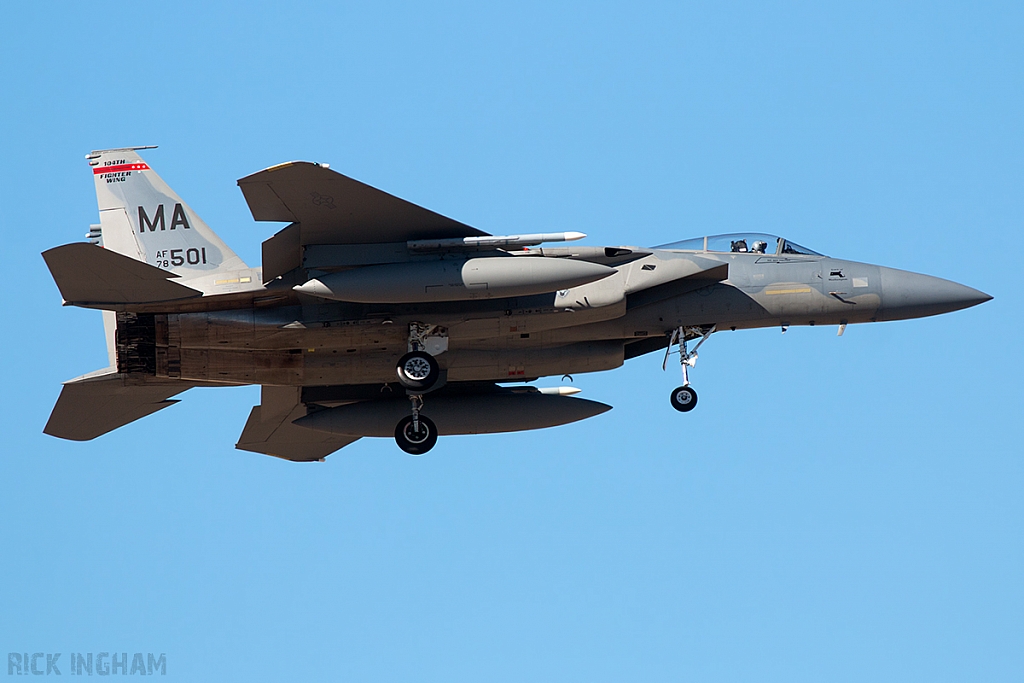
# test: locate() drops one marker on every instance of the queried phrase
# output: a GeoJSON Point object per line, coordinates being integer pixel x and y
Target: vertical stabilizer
{"type": "Point", "coordinates": [141, 217]}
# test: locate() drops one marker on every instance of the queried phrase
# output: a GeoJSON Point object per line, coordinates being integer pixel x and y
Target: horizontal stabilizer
{"type": "Point", "coordinates": [269, 429]}
{"type": "Point", "coordinates": [100, 404]}
{"type": "Point", "coordinates": [335, 209]}
{"type": "Point", "coordinates": [88, 275]}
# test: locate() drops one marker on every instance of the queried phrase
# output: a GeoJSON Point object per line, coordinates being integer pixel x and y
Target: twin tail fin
{"type": "Point", "coordinates": [143, 218]}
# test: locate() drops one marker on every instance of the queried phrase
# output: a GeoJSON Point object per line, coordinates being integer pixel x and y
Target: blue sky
{"type": "Point", "coordinates": [835, 509]}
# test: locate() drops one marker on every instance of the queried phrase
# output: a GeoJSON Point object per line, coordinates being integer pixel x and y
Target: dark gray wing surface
{"type": "Point", "coordinates": [94, 406]}
{"type": "Point", "coordinates": [88, 275]}
{"type": "Point", "coordinates": [335, 209]}
{"type": "Point", "coordinates": [269, 429]}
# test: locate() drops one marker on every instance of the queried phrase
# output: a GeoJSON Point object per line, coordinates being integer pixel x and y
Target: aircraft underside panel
{"type": "Point", "coordinates": [523, 363]}
{"type": "Point", "coordinates": [328, 368]}
{"type": "Point", "coordinates": [201, 348]}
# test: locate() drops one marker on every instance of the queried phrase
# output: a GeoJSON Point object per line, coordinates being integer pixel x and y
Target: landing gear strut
{"type": "Point", "coordinates": [684, 398]}
{"type": "Point", "coordinates": [419, 372]}
{"type": "Point", "coordinates": [416, 434]}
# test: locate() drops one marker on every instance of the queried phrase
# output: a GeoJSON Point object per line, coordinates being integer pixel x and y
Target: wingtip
{"type": "Point", "coordinates": [282, 166]}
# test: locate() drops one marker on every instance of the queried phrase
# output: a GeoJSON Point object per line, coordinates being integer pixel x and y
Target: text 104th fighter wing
{"type": "Point", "coordinates": [372, 316]}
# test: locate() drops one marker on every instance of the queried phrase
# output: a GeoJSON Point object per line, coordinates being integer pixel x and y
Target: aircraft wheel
{"type": "Point", "coordinates": [413, 441]}
{"type": "Point", "coordinates": [684, 399]}
{"type": "Point", "coordinates": [418, 371]}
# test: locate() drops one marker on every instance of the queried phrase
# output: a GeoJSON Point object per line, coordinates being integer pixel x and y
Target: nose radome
{"type": "Point", "coordinates": [912, 295]}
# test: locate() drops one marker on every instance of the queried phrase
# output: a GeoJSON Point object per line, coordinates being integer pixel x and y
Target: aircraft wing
{"type": "Point", "coordinates": [269, 429]}
{"type": "Point", "coordinates": [335, 209]}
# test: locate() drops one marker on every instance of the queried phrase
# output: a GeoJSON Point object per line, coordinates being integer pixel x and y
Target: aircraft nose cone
{"type": "Point", "coordinates": [912, 295]}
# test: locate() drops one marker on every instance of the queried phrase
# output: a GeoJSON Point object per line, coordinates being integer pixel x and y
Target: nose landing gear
{"type": "Point", "coordinates": [684, 398]}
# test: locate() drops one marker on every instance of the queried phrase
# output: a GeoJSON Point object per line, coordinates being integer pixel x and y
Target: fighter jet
{"type": "Point", "coordinates": [372, 316]}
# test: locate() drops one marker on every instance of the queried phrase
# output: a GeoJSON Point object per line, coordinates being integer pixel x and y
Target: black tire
{"type": "Point", "coordinates": [418, 371]}
{"type": "Point", "coordinates": [684, 399]}
{"type": "Point", "coordinates": [412, 442]}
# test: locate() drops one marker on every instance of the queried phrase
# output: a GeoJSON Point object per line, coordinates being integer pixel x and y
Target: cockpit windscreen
{"type": "Point", "coordinates": [794, 248]}
{"type": "Point", "coordinates": [741, 243]}
{"type": "Point", "coordinates": [745, 243]}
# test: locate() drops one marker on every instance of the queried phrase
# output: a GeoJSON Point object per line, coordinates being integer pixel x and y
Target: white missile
{"type": "Point", "coordinates": [559, 391]}
{"type": "Point", "coordinates": [455, 280]}
{"type": "Point", "coordinates": [493, 241]}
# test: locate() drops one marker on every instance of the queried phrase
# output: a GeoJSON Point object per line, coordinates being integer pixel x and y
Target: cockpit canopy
{"type": "Point", "coordinates": [741, 243]}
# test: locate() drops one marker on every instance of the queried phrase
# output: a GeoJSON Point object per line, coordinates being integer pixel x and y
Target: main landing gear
{"type": "Point", "coordinates": [416, 434]}
{"type": "Point", "coordinates": [684, 398]}
{"type": "Point", "coordinates": [417, 370]}
{"type": "Point", "coordinates": [419, 373]}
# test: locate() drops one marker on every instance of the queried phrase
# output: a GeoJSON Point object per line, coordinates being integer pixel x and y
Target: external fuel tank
{"type": "Point", "coordinates": [455, 280]}
{"type": "Point", "coordinates": [487, 413]}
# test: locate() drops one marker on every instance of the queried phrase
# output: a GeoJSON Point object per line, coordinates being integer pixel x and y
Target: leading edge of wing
{"type": "Point", "coordinates": [335, 209]}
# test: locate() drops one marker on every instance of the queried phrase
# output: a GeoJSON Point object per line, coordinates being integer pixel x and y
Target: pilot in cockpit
{"type": "Point", "coordinates": [739, 246]}
{"type": "Point", "coordinates": [759, 247]}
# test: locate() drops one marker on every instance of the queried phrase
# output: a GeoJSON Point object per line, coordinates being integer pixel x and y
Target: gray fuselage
{"type": "Point", "coordinates": [321, 342]}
